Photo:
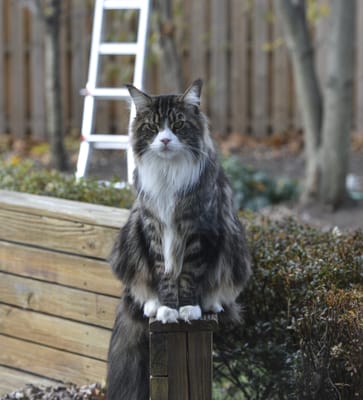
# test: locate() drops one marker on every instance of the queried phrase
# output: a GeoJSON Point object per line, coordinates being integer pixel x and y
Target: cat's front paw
{"type": "Point", "coordinates": [151, 307]}
{"type": "Point", "coordinates": [190, 313]}
{"type": "Point", "coordinates": [167, 315]}
{"type": "Point", "coordinates": [214, 308]}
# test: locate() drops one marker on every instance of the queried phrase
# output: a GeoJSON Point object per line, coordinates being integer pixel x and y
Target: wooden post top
{"type": "Point", "coordinates": [208, 322]}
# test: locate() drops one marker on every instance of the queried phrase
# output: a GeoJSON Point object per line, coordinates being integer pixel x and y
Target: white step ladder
{"type": "Point", "coordinates": [91, 140]}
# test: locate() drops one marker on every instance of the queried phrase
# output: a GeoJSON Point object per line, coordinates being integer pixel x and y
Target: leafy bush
{"type": "Point", "coordinates": [255, 189]}
{"type": "Point", "coordinates": [302, 336]}
{"type": "Point", "coordinates": [26, 177]}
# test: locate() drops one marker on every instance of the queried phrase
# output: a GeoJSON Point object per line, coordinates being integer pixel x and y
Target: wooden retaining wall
{"type": "Point", "coordinates": [57, 293]}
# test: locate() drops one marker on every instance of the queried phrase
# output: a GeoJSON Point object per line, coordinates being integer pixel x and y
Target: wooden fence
{"type": "Point", "coordinates": [235, 45]}
{"type": "Point", "coordinates": [57, 293]}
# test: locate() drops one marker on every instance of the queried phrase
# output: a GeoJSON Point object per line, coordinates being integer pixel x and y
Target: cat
{"type": "Point", "coordinates": [183, 249]}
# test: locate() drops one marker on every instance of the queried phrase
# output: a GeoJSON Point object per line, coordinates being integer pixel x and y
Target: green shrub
{"type": "Point", "coordinates": [27, 177]}
{"type": "Point", "coordinates": [254, 189]}
{"type": "Point", "coordinates": [302, 336]}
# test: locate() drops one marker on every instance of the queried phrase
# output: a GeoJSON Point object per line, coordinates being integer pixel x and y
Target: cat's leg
{"type": "Point", "coordinates": [189, 308]}
{"type": "Point", "coordinates": [168, 299]}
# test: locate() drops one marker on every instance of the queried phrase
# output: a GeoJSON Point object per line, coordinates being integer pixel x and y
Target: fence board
{"type": "Point", "coordinates": [219, 98]}
{"type": "Point", "coordinates": [55, 332]}
{"type": "Point", "coordinates": [68, 367]}
{"type": "Point", "coordinates": [37, 104]}
{"type": "Point", "coordinates": [69, 270]}
{"type": "Point", "coordinates": [57, 300]}
{"type": "Point", "coordinates": [239, 70]}
{"type": "Point", "coordinates": [79, 60]}
{"type": "Point", "coordinates": [280, 100]}
{"type": "Point", "coordinates": [2, 74]}
{"type": "Point", "coordinates": [17, 95]}
{"type": "Point", "coordinates": [197, 31]}
{"type": "Point", "coordinates": [260, 72]}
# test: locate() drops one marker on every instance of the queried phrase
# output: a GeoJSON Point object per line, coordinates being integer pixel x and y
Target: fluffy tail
{"type": "Point", "coordinates": [128, 355]}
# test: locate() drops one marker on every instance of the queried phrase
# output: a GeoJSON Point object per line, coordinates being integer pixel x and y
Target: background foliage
{"type": "Point", "coordinates": [302, 336]}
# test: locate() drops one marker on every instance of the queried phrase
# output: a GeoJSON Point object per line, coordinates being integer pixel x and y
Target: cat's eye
{"type": "Point", "coordinates": [178, 124]}
{"type": "Point", "coordinates": [150, 127]}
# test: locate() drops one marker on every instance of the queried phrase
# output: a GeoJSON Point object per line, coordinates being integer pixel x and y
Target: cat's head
{"type": "Point", "coordinates": [168, 126]}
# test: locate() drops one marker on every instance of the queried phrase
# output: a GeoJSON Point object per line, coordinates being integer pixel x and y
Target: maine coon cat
{"type": "Point", "coordinates": [183, 249]}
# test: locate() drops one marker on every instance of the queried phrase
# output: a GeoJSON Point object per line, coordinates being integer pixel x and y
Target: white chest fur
{"type": "Point", "coordinates": [162, 180]}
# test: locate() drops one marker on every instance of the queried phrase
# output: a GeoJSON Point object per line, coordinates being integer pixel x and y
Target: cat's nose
{"type": "Point", "coordinates": [165, 141]}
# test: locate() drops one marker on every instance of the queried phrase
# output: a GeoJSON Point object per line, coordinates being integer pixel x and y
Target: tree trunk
{"type": "Point", "coordinates": [338, 102]}
{"type": "Point", "coordinates": [51, 14]}
{"type": "Point", "coordinates": [294, 23]}
{"type": "Point", "coordinates": [327, 122]}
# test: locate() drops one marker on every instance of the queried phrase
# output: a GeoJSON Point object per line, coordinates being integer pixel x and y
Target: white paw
{"type": "Point", "coordinates": [166, 315]}
{"type": "Point", "coordinates": [151, 307]}
{"type": "Point", "coordinates": [189, 313]}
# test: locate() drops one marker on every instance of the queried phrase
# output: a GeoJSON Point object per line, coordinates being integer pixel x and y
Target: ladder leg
{"type": "Point", "coordinates": [83, 159]}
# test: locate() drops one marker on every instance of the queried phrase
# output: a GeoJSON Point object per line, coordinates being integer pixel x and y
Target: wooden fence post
{"type": "Point", "coordinates": [181, 359]}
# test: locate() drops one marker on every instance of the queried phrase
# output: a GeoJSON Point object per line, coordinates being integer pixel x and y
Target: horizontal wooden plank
{"type": "Point", "coordinates": [57, 300]}
{"type": "Point", "coordinates": [55, 332]}
{"type": "Point", "coordinates": [56, 234]}
{"type": "Point", "coordinates": [63, 209]}
{"type": "Point", "coordinates": [65, 269]}
{"type": "Point", "coordinates": [13, 379]}
{"type": "Point", "coordinates": [50, 363]}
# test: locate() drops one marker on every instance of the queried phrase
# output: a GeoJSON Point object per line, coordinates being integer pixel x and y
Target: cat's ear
{"type": "Point", "coordinates": [192, 94]}
{"type": "Point", "coordinates": [140, 99]}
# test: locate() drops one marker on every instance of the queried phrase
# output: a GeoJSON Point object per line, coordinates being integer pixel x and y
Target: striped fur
{"type": "Point", "coordinates": [183, 248]}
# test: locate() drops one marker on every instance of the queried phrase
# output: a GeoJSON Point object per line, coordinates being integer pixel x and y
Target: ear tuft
{"type": "Point", "coordinates": [140, 99]}
{"type": "Point", "coordinates": [192, 94]}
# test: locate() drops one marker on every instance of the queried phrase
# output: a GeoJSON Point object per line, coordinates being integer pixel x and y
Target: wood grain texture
{"type": "Point", "coordinates": [50, 363]}
{"type": "Point", "coordinates": [200, 365]}
{"type": "Point", "coordinates": [54, 332]}
{"type": "Point", "coordinates": [65, 269]}
{"type": "Point", "coordinates": [13, 379]}
{"type": "Point", "coordinates": [57, 300]}
{"type": "Point", "coordinates": [63, 209]}
{"type": "Point", "coordinates": [181, 359]}
{"type": "Point", "coordinates": [58, 234]}
{"type": "Point", "coordinates": [159, 388]}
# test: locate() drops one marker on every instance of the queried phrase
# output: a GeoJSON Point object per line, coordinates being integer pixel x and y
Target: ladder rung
{"type": "Point", "coordinates": [100, 141]}
{"type": "Point", "coordinates": [122, 4]}
{"type": "Point", "coordinates": [118, 48]}
{"type": "Point", "coordinates": [108, 93]}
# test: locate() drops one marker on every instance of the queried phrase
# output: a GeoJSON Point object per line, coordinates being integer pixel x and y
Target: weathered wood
{"type": "Point", "coordinates": [79, 60]}
{"type": "Point", "coordinates": [239, 64]}
{"type": "Point", "coordinates": [12, 379]}
{"type": "Point", "coordinates": [37, 81]}
{"type": "Point", "coordinates": [48, 362]}
{"type": "Point", "coordinates": [54, 332]}
{"type": "Point", "coordinates": [64, 269]}
{"type": "Point", "coordinates": [260, 76]}
{"type": "Point", "coordinates": [280, 108]}
{"type": "Point", "coordinates": [219, 100]}
{"type": "Point", "coordinates": [87, 213]}
{"type": "Point", "coordinates": [59, 234]}
{"type": "Point", "coordinates": [181, 359]}
{"type": "Point", "coordinates": [2, 81]}
{"type": "Point", "coordinates": [57, 300]}
{"type": "Point", "coordinates": [17, 92]}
